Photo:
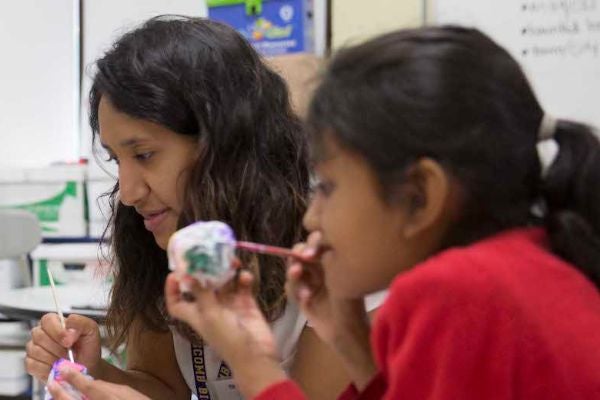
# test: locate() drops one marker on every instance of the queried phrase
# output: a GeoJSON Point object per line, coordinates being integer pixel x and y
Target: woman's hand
{"type": "Point", "coordinates": [92, 389]}
{"type": "Point", "coordinates": [231, 322]}
{"type": "Point", "coordinates": [49, 342]}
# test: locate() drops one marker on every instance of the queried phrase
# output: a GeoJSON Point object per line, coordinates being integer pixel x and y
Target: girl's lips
{"type": "Point", "coordinates": [325, 253]}
{"type": "Point", "coordinates": [323, 248]}
{"type": "Point", "coordinates": [152, 221]}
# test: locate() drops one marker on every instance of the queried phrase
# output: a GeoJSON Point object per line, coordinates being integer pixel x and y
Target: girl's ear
{"type": "Point", "coordinates": [427, 196]}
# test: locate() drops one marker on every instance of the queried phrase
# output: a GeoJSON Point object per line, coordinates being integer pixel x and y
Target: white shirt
{"type": "Point", "coordinates": [286, 329]}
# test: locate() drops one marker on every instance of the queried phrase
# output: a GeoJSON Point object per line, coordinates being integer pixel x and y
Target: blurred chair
{"type": "Point", "coordinates": [20, 233]}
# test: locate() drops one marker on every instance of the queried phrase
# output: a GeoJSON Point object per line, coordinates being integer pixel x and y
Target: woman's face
{"type": "Point", "coordinates": [153, 163]}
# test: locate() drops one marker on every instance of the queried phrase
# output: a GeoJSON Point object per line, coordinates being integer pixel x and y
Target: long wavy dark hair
{"type": "Point", "coordinates": [453, 95]}
{"type": "Point", "coordinates": [201, 78]}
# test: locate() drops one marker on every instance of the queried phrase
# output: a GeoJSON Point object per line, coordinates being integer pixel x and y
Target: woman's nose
{"type": "Point", "coordinates": [132, 186]}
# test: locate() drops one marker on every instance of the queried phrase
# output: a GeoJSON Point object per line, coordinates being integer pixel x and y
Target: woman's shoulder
{"type": "Point", "coordinates": [287, 329]}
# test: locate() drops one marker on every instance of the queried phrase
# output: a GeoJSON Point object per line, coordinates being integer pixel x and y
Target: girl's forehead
{"type": "Point", "coordinates": [324, 147]}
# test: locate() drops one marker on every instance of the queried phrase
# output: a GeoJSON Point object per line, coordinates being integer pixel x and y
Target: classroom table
{"type": "Point", "coordinates": [89, 299]}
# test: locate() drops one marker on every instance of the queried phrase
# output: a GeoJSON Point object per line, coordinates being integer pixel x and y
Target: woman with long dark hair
{"type": "Point", "coordinates": [201, 129]}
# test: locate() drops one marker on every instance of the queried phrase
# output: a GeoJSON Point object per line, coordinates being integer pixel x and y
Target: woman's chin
{"type": "Point", "coordinates": [162, 241]}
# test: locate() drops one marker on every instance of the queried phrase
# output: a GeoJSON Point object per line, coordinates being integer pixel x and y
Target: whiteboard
{"type": "Point", "coordinates": [39, 82]}
{"type": "Point", "coordinates": [556, 41]}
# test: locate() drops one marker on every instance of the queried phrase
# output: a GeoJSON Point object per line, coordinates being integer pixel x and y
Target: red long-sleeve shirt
{"type": "Point", "coordinates": [500, 319]}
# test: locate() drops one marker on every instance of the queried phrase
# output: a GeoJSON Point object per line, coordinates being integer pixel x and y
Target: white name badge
{"type": "Point", "coordinates": [225, 389]}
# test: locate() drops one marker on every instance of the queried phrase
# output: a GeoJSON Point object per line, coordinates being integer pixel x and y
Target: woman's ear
{"type": "Point", "coordinates": [426, 195]}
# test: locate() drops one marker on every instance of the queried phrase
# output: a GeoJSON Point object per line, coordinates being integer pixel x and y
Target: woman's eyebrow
{"type": "Point", "coordinates": [131, 142]}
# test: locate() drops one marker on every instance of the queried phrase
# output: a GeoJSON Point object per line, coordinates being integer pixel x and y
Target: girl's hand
{"type": "Point", "coordinates": [329, 317]}
{"type": "Point", "coordinates": [306, 284]}
{"type": "Point", "coordinates": [92, 389]}
{"type": "Point", "coordinates": [341, 323]}
{"type": "Point", "coordinates": [231, 322]}
{"type": "Point", "coordinates": [49, 342]}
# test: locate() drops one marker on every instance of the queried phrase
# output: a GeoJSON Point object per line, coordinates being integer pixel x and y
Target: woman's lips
{"type": "Point", "coordinates": [152, 221]}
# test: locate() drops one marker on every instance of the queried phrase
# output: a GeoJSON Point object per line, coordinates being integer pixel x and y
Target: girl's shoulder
{"type": "Point", "coordinates": [477, 261]}
{"type": "Point", "coordinates": [512, 274]}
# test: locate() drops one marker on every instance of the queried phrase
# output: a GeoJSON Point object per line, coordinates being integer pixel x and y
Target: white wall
{"type": "Point", "coordinates": [104, 22]}
{"type": "Point", "coordinates": [39, 82]}
{"type": "Point", "coordinates": [43, 92]}
{"type": "Point", "coordinates": [40, 78]}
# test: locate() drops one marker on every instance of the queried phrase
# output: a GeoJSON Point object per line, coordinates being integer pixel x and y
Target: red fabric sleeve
{"type": "Point", "coordinates": [351, 393]}
{"type": "Point", "coordinates": [374, 390]}
{"type": "Point", "coordinates": [288, 390]}
{"type": "Point", "coordinates": [501, 319]}
{"type": "Point", "coordinates": [449, 338]}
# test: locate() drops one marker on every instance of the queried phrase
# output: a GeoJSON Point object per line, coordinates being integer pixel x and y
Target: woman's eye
{"type": "Point", "coordinates": [112, 158]}
{"type": "Point", "coordinates": [144, 156]}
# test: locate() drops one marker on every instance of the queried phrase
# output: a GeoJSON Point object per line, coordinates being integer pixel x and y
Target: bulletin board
{"type": "Point", "coordinates": [353, 21]}
{"type": "Point", "coordinates": [557, 42]}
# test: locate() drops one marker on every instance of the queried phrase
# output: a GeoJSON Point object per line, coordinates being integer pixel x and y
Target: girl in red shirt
{"type": "Point", "coordinates": [440, 177]}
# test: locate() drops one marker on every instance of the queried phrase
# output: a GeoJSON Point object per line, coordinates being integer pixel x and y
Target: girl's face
{"type": "Point", "coordinates": [153, 161]}
{"type": "Point", "coordinates": [361, 233]}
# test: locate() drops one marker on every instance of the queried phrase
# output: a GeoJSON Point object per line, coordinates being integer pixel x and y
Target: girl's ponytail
{"type": "Point", "coordinates": [572, 193]}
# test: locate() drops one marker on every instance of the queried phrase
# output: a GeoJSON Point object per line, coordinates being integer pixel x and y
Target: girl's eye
{"type": "Point", "coordinates": [324, 187]}
{"type": "Point", "coordinates": [144, 156]}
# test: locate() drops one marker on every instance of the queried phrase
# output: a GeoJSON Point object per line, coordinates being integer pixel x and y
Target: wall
{"type": "Point", "coordinates": [557, 42]}
{"type": "Point", "coordinates": [39, 81]}
{"type": "Point", "coordinates": [105, 21]}
{"type": "Point", "coordinates": [356, 20]}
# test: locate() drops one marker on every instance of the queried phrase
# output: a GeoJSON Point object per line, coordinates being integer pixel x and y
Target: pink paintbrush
{"type": "Point", "coordinates": [267, 249]}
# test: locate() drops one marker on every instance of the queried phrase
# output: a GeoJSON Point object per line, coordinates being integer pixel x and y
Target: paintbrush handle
{"type": "Point", "coordinates": [267, 249]}
{"type": "Point", "coordinates": [61, 317]}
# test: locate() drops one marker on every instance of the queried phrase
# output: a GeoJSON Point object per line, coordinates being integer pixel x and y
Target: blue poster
{"type": "Point", "coordinates": [273, 27]}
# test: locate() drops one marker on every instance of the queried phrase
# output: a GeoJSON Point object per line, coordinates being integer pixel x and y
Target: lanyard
{"type": "Point", "coordinates": [200, 377]}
